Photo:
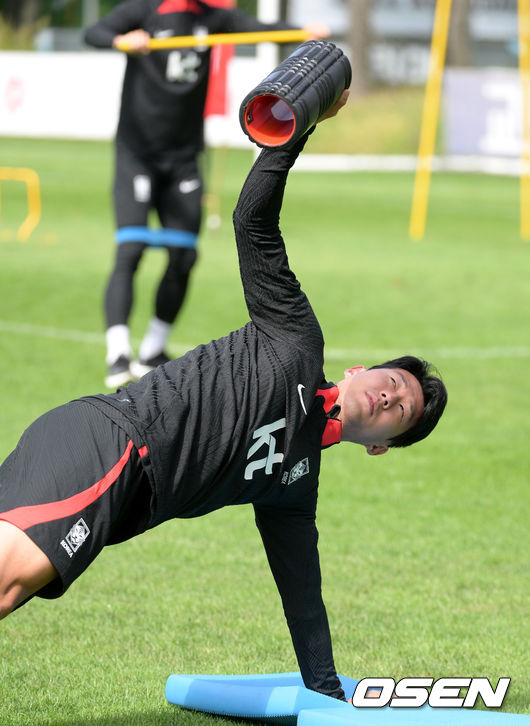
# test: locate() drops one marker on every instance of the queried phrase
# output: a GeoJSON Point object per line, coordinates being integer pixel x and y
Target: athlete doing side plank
{"type": "Point", "coordinates": [240, 420]}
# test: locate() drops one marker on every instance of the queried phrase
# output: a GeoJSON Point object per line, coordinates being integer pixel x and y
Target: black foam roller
{"type": "Point", "coordinates": [298, 91]}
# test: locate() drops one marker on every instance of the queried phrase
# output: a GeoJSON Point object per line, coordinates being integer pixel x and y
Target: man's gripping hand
{"type": "Point", "coordinates": [135, 41]}
{"type": "Point", "coordinates": [317, 31]}
{"type": "Point", "coordinates": [333, 110]}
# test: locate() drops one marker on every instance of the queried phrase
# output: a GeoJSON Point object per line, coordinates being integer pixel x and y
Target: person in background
{"type": "Point", "coordinates": [158, 141]}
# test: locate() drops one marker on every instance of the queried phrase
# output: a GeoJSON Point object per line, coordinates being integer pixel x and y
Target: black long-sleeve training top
{"type": "Point", "coordinates": [164, 92]}
{"type": "Point", "coordinates": [240, 420]}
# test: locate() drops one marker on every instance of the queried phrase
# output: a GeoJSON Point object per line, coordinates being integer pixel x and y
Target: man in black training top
{"type": "Point", "coordinates": [159, 138]}
{"type": "Point", "coordinates": [240, 420]}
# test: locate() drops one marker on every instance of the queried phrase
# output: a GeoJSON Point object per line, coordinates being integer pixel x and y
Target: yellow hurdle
{"type": "Point", "coordinates": [429, 122]}
{"type": "Point", "coordinates": [193, 41]}
{"type": "Point", "coordinates": [31, 179]}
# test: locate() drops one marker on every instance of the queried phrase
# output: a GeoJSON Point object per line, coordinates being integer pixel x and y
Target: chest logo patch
{"type": "Point", "coordinates": [182, 67]}
{"type": "Point", "coordinates": [298, 470]}
{"type": "Point", "coordinates": [265, 440]}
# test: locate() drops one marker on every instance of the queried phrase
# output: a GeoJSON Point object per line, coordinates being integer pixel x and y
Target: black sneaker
{"type": "Point", "coordinates": [119, 373]}
{"type": "Point", "coordinates": [140, 367]}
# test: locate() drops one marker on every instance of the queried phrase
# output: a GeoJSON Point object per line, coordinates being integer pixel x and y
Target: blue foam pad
{"type": "Point", "coordinates": [278, 696]}
{"type": "Point", "coordinates": [283, 698]}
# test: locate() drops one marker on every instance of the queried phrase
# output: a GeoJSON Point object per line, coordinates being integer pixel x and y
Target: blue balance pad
{"type": "Point", "coordinates": [283, 699]}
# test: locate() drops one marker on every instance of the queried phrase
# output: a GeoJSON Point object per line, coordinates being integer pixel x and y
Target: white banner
{"type": "Point", "coordinates": [77, 95]}
{"type": "Point", "coordinates": [483, 111]}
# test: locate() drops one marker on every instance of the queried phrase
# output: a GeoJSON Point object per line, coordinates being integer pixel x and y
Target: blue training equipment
{"type": "Point", "coordinates": [283, 699]}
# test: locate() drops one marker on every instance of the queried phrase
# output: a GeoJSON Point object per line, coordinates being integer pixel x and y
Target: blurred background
{"type": "Point", "coordinates": [387, 41]}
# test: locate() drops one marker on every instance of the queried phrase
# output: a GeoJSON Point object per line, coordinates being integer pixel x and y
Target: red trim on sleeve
{"type": "Point", "coordinates": [25, 517]}
{"type": "Point", "coordinates": [143, 451]}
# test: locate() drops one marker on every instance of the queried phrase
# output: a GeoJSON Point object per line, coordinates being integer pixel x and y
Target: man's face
{"type": "Point", "coordinates": [378, 404]}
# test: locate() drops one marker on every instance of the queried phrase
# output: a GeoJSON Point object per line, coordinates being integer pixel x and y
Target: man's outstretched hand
{"type": "Point", "coordinates": [317, 31]}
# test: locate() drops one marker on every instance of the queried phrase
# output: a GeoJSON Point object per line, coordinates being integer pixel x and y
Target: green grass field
{"type": "Point", "coordinates": [424, 552]}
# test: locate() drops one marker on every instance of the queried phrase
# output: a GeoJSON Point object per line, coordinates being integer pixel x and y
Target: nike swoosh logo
{"type": "Point", "coordinates": [300, 387]}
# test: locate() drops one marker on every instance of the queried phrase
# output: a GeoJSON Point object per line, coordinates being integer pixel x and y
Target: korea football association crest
{"type": "Point", "coordinates": [75, 537]}
{"type": "Point", "coordinates": [298, 470]}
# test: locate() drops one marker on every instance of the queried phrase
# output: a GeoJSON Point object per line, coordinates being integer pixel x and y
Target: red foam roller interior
{"type": "Point", "coordinates": [269, 120]}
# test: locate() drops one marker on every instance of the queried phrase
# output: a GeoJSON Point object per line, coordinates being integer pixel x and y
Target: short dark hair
{"type": "Point", "coordinates": [434, 398]}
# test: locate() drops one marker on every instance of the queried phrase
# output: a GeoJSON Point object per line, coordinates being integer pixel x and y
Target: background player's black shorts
{"type": "Point", "coordinates": [169, 182]}
{"type": "Point", "coordinates": [74, 484]}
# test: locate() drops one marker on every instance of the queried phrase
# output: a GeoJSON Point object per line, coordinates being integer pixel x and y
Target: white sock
{"type": "Point", "coordinates": [155, 339]}
{"type": "Point", "coordinates": [117, 343]}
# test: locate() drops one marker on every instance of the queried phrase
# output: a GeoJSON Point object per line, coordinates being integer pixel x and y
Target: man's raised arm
{"type": "Point", "coordinates": [273, 295]}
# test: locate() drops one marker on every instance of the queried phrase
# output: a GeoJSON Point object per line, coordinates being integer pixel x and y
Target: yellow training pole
{"type": "Point", "coordinates": [31, 180]}
{"type": "Point", "coordinates": [192, 41]}
{"type": "Point", "coordinates": [524, 74]}
{"type": "Point", "coordinates": [431, 106]}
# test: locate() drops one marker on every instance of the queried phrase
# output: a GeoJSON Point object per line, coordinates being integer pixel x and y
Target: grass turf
{"type": "Point", "coordinates": [424, 552]}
